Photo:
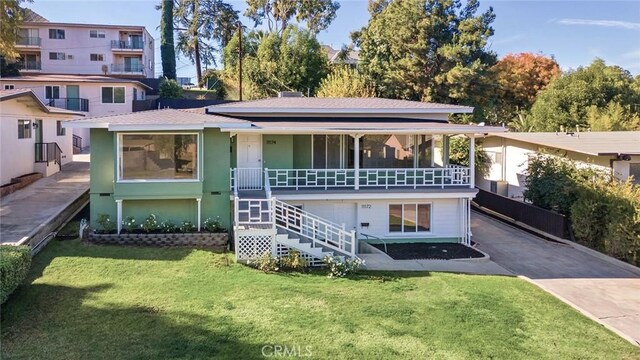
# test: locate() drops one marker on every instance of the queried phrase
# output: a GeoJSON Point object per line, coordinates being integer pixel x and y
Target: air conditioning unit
{"type": "Point", "coordinates": [70, 57]}
{"type": "Point", "coordinates": [499, 187]}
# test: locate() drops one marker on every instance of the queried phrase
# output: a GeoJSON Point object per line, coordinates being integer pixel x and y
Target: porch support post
{"type": "Point", "coordinates": [119, 215]}
{"type": "Point", "coordinates": [356, 161]}
{"type": "Point", "coordinates": [199, 200]}
{"type": "Point", "coordinates": [433, 152]}
{"type": "Point", "coordinates": [445, 150]}
{"type": "Point", "coordinates": [472, 160]}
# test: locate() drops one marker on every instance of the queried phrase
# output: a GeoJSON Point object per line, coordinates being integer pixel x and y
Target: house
{"type": "Point", "coordinates": [84, 49]}
{"type": "Point", "coordinates": [352, 56]}
{"type": "Point", "coordinates": [89, 94]}
{"type": "Point", "coordinates": [319, 175]}
{"type": "Point", "coordinates": [32, 136]}
{"type": "Point", "coordinates": [616, 151]}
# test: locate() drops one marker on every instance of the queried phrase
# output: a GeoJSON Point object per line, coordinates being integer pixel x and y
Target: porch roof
{"type": "Point", "coordinates": [364, 127]}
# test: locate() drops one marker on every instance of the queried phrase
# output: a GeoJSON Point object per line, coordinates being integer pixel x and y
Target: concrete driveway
{"type": "Point", "coordinates": [605, 292]}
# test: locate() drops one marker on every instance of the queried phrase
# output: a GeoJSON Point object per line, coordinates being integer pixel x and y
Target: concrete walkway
{"type": "Point", "coordinates": [603, 291]}
{"type": "Point", "coordinates": [26, 211]}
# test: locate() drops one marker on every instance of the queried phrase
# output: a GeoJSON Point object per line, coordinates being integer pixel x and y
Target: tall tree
{"type": "Point", "coordinates": [344, 81]}
{"type": "Point", "coordinates": [429, 50]}
{"type": "Point", "coordinates": [566, 101]}
{"type": "Point", "coordinates": [10, 18]}
{"type": "Point", "coordinates": [167, 48]}
{"type": "Point", "coordinates": [316, 14]}
{"type": "Point", "coordinates": [290, 61]}
{"type": "Point", "coordinates": [205, 26]}
{"type": "Point", "coordinates": [519, 78]}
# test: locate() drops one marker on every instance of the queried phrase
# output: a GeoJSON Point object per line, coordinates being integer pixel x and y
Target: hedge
{"type": "Point", "coordinates": [15, 262]}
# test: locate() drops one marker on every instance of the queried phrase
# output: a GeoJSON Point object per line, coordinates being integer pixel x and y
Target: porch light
{"type": "Point", "coordinates": [35, 125]}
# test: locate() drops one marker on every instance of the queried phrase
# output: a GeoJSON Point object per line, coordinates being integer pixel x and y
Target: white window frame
{"type": "Point", "coordinates": [64, 56]}
{"type": "Point", "coordinates": [405, 233]}
{"type": "Point", "coordinates": [114, 103]}
{"type": "Point", "coordinates": [31, 122]}
{"type": "Point", "coordinates": [9, 86]}
{"type": "Point", "coordinates": [99, 57]}
{"type": "Point", "coordinates": [52, 86]}
{"type": "Point", "coordinates": [100, 34]}
{"type": "Point", "coordinates": [200, 154]}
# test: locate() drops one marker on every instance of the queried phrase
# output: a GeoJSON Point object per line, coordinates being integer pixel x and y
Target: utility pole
{"type": "Point", "coordinates": [240, 58]}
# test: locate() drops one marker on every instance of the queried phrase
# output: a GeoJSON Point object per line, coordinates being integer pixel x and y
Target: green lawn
{"type": "Point", "coordinates": [99, 302]}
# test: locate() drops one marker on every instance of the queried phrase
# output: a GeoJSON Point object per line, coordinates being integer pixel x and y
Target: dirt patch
{"type": "Point", "coordinates": [426, 251]}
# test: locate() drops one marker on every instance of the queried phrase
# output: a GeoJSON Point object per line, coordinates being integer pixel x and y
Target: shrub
{"type": "Point", "coordinates": [459, 154]}
{"type": "Point", "coordinates": [213, 225]}
{"type": "Point", "coordinates": [187, 227]}
{"type": "Point", "coordinates": [150, 224]}
{"type": "Point", "coordinates": [15, 262]}
{"type": "Point", "coordinates": [129, 224]}
{"type": "Point", "coordinates": [293, 261]}
{"type": "Point", "coordinates": [339, 268]}
{"type": "Point", "coordinates": [266, 262]}
{"type": "Point", "coordinates": [107, 226]}
{"type": "Point", "coordinates": [168, 227]}
{"type": "Point", "coordinates": [170, 89]}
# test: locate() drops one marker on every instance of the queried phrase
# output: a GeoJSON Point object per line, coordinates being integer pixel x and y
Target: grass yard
{"type": "Point", "coordinates": [100, 302]}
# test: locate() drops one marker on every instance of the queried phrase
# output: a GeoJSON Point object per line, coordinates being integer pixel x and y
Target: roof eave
{"type": "Point", "coordinates": [217, 109]}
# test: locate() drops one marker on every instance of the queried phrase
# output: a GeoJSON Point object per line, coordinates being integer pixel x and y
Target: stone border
{"type": "Point", "coordinates": [216, 240]}
{"type": "Point", "coordinates": [19, 183]}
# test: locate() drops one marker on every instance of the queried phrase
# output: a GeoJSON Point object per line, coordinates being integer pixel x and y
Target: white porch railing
{"type": "Point", "coordinates": [320, 231]}
{"type": "Point", "coordinates": [452, 175]}
{"type": "Point", "coordinates": [253, 215]}
{"type": "Point", "coordinates": [246, 179]}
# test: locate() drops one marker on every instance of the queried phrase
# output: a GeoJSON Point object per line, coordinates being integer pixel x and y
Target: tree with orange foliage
{"type": "Point", "coordinates": [519, 78]}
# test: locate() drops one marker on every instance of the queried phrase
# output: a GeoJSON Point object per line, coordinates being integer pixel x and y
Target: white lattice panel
{"type": "Point", "coordinates": [252, 244]}
{"type": "Point", "coordinates": [282, 251]}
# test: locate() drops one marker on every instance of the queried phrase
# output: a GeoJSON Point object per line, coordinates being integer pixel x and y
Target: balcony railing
{"type": "Point", "coordinates": [48, 152]}
{"type": "Point", "coordinates": [75, 104]}
{"type": "Point", "coordinates": [326, 179]}
{"type": "Point", "coordinates": [31, 65]}
{"type": "Point", "coordinates": [127, 45]}
{"type": "Point", "coordinates": [122, 68]}
{"type": "Point", "coordinates": [29, 41]}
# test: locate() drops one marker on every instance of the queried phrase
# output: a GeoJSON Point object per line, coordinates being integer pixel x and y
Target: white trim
{"type": "Point", "coordinates": [274, 111]}
{"type": "Point", "coordinates": [113, 93]}
{"type": "Point", "coordinates": [403, 233]}
{"type": "Point", "coordinates": [119, 215]}
{"type": "Point", "coordinates": [134, 127]}
{"type": "Point", "coordinates": [119, 179]}
{"type": "Point", "coordinates": [300, 195]}
{"type": "Point", "coordinates": [199, 200]}
{"type": "Point", "coordinates": [444, 130]}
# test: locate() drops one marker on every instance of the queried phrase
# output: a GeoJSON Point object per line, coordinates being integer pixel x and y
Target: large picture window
{"type": "Point", "coordinates": [409, 218]}
{"type": "Point", "coordinates": [158, 157]}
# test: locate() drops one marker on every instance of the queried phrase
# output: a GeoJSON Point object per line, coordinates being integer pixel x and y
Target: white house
{"type": "Point", "coordinates": [87, 49]}
{"type": "Point", "coordinates": [89, 94]}
{"type": "Point", "coordinates": [32, 136]}
{"type": "Point", "coordinates": [617, 151]}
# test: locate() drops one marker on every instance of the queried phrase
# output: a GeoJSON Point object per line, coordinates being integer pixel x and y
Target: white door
{"type": "Point", "coordinates": [249, 173]}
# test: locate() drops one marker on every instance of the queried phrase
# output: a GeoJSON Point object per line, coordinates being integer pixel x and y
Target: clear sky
{"type": "Point", "coordinates": [574, 32]}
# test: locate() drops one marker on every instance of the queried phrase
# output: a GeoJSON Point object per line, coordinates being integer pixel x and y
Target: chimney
{"type": "Point", "coordinates": [289, 94]}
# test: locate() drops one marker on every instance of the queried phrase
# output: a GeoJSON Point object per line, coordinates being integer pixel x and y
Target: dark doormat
{"type": "Point", "coordinates": [439, 251]}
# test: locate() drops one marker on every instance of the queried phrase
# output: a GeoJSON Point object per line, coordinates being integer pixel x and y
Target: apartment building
{"type": "Point", "coordinates": [84, 49]}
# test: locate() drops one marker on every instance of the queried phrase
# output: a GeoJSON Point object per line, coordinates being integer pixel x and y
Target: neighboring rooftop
{"type": "Point", "coordinates": [72, 78]}
{"type": "Point", "coordinates": [29, 15]}
{"type": "Point", "coordinates": [353, 56]}
{"type": "Point", "coordinates": [590, 143]}
{"type": "Point", "coordinates": [342, 105]}
{"type": "Point", "coordinates": [163, 119]}
{"type": "Point", "coordinates": [17, 93]}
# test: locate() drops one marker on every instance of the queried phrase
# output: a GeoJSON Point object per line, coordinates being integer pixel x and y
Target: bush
{"type": "Point", "coordinates": [213, 225]}
{"type": "Point", "coordinates": [168, 227]}
{"type": "Point", "coordinates": [107, 226]}
{"type": "Point", "coordinates": [339, 268]}
{"type": "Point", "coordinates": [459, 154]}
{"type": "Point", "coordinates": [15, 262]}
{"type": "Point", "coordinates": [293, 261]}
{"type": "Point", "coordinates": [150, 224]}
{"type": "Point", "coordinates": [170, 89]}
{"type": "Point", "coordinates": [129, 224]}
{"type": "Point", "coordinates": [266, 263]}
{"type": "Point", "coordinates": [187, 227]}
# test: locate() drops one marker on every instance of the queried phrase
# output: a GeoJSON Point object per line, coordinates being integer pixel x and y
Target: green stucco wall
{"type": "Point", "coordinates": [302, 152]}
{"type": "Point", "coordinates": [174, 201]}
{"type": "Point", "coordinates": [277, 151]}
